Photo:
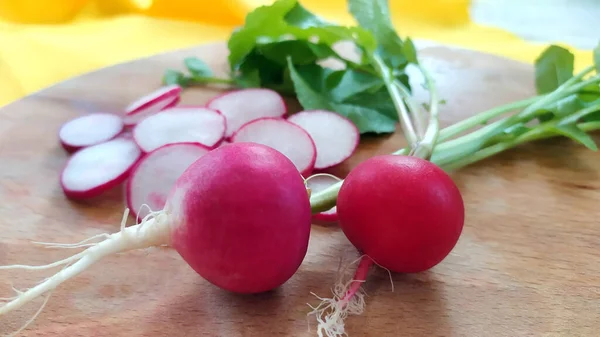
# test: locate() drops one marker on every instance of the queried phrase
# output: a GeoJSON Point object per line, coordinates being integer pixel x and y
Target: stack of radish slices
{"type": "Point", "coordinates": [156, 140]}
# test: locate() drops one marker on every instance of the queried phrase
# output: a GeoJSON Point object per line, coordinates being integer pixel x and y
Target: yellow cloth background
{"type": "Point", "coordinates": [46, 41]}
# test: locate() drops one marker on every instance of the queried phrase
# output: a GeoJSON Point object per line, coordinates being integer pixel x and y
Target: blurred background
{"type": "Point", "coordinates": [46, 41]}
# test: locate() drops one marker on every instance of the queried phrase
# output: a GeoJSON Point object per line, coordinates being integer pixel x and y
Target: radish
{"type": "Point", "coordinates": [283, 136]}
{"type": "Point", "coordinates": [91, 129]}
{"type": "Point", "coordinates": [180, 125]}
{"type": "Point", "coordinates": [152, 103]}
{"type": "Point", "coordinates": [335, 136]}
{"type": "Point", "coordinates": [155, 175]}
{"type": "Point", "coordinates": [239, 216]}
{"type": "Point", "coordinates": [98, 168]}
{"type": "Point", "coordinates": [402, 213]}
{"type": "Point", "coordinates": [245, 105]}
{"type": "Point", "coordinates": [317, 183]}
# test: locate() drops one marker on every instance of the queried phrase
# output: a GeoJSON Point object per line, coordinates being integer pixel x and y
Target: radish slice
{"type": "Point", "coordinates": [180, 125]}
{"type": "Point", "coordinates": [318, 183]}
{"type": "Point", "coordinates": [89, 130]}
{"type": "Point", "coordinates": [152, 103]}
{"type": "Point", "coordinates": [155, 174]}
{"type": "Point", "coordinates": [283, 136]}
{"type": "Point", "coordinates": [335, 136]}
{"type": "Point", "coordinates": [242, 106]}
{"type": "Point", "coordinates": [98, 168]}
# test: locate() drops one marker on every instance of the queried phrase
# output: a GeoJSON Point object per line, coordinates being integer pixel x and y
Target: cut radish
{"type": "Point", "coordinates": [98, 168]}
{"type": "Point", "coordinates": [152, 103]}
{"type": "Point", "coordinates": [283, 136]}
{"type": "Point", "coordinates": [155, 174]}
{"type": "Point", "coordinates": [180, 125]}
{"type": "Point", "coordinates": [89, 130]}
{"type": "Point", "coordinates": [335, 136]}
{"type": "Point", "coordinates": [318, 183]}
{"type": "Point", "coordinates": [245, 105]}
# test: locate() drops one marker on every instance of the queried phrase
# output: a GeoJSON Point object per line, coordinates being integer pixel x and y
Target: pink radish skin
{"type": "Point", "coordinates": [318, 183]}
{"type": "Point", "coordinates": [93, 170]}
{"type": "Point", "coordinates": [245, 105]}
{"type": "Point", "coordinates": [155, 174]}
{"type": "Point", "coordinates": [283, 136]}
{"type": "Point", "coordinates": [133, 119]}
{"type": "Point", "coordinates": [88, 130]}
{"type": "Point", "coordinates": [335, 136]}
{"type": "Point", "coordinates": [180, 125]}
{"type": "Point", "coordinates": [239, 216]}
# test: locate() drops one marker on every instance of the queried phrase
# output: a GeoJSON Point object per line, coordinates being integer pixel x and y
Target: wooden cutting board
{"type": "Point", "coordinates": [526, 264]}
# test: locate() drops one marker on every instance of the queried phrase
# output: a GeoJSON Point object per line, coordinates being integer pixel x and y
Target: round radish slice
{"type": "Point", "coordinates": [180, 125]}
{"type": "Point", "coordinates": [152, 103]}
{"type": "Point", "coordinates": [283, 136]}
{"type": "Point", "coordinates": [335, 136]}
{"type": "Point", "coordinates": [155, 174]}
{"type": "Point", "coordinates": [318, 183]}
{"type": "Point", "coordinates": [98, 168]}
{"type": "Point", "coordinates": [242, 106]}
{"type": "Point", "coordinates": [89, 130]}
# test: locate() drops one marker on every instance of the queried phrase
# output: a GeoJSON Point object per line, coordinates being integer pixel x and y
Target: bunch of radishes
{"type": "Point", "coordinates": [157, 139]}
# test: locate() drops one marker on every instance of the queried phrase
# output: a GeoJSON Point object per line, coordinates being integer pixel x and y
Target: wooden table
{"type": "Point", "coordinates": [526, 265]}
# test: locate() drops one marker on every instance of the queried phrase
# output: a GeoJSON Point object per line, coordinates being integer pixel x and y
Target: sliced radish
{"type": "Point", "coordinates": [155, 174]}
{"type": "Point", "coordinates": [88, 130]}
{"type": "Point", "coordinates": [335, 136]}
{"type": "Point", "coordinates": [98, 168]}
{"type": "Point", "coordinates": [283, 136]}
{"type": "Point", "coordinates": [152, 103]}
{"type": "Point", "coordinates": [242, 106]}
{"type": "Point", "coordinates": [318, 183]}
{"type": "Point", "coordinates": [180, 125]}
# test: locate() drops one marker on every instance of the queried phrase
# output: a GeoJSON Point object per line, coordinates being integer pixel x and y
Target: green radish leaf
{"type": "Point", "coordinates": [172, 77]}
{"type": "Point", "coordinates": [597, 58]}
{"type": "Point", "coordinates": [301, 52]}
{"type": "Point", "coordinates": [352, 83]}
{"type": "Point", "coordinates": [552, 68]}
{"type": "Point", "coordinates": [300, 17]}
{"type": "Point", "coordinates": [575, 133]}
{"type": "Point", "coordinates": [593, 117]}
{"type": "Point", "coordinates": [568, 105]}
{"type": "Point", "coordinates": [311, 87]}
{"type": "Point", "coordinates": [378, 100]}
{"type": "Point", "coordinates": [197, 67]}
{"type": "Point", "coordinates": [374, 16]}
{"type": "Point", "coordinates": [410, 51]}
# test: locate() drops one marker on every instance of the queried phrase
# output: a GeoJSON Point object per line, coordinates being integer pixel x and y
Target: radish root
{"type": "Point", "coordinates": [153, 231]}
{"type": "Point", "coordinates": [348, 299]}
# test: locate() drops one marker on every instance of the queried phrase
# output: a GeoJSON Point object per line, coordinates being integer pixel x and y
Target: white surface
{"type": "Point", "coordinates": [574, 22]}
{"type": "Point", "coordinates": [283, 136]}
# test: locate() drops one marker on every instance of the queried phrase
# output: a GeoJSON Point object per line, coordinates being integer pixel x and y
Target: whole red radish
{"type": "Point", "coordinates": [239, 216]}
{"type": "Point", "coordinates": [404, 212]}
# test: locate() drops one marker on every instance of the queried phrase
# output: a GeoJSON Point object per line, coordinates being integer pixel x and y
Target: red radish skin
{"type": "Point", "coordinates": [131, 120]}
{"type": "Point", "coordinates": [335, 136]}
{"type": "Point", "coordinates": [317, 183]}
{"type": "Point", "coordinates": [245, 105]}
{"type": "Point", "coordinates": [404, 212]}
{"type": "Point", "coordinates": [154, 176]}
{"type": "Point", "coordinates": [180, 125]}
{"type": "Point", "coordinates": [88, 130]}
{"type": "Point", "coordinates": [93, 170]}
{"type": "Point", "coordinates": [239, 216]}
{"type": "Point", "coordinates": [285, 137]}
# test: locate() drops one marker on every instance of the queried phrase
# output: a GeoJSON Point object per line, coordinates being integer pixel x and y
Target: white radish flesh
{"type": "Point", "coordinates": [155, 175]}
{"type": "Point", "coordinates": [335, 136]}
{"type": "Point", "coordinates": [318, 183]}
{"type": "Point", "coordinates": [245, 105]}
{"type": "Point", "coordinates": [88, 130]}
{"type": "Point", "coordinates": [180, 125]}
{"type": "Point", "coordinates": [152, 103]}
{"type": "Point", "coordinates": [283, 136]}
{"type": "Point", "coordinates": [98, 168]}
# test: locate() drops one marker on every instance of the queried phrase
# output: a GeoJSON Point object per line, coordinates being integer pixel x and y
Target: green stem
{"type": "Point", "coordinates": [414, 108]}
{"type": "Point", "coordinates": [214, 80]}
{"type": "Point", "coordinates": [397, 99]}
{"type": "Point", "coordinates": [428, 143]}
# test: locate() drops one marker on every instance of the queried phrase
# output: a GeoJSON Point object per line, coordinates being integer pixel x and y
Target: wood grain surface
{"type": "Point", "coordinates": [527, 263]}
